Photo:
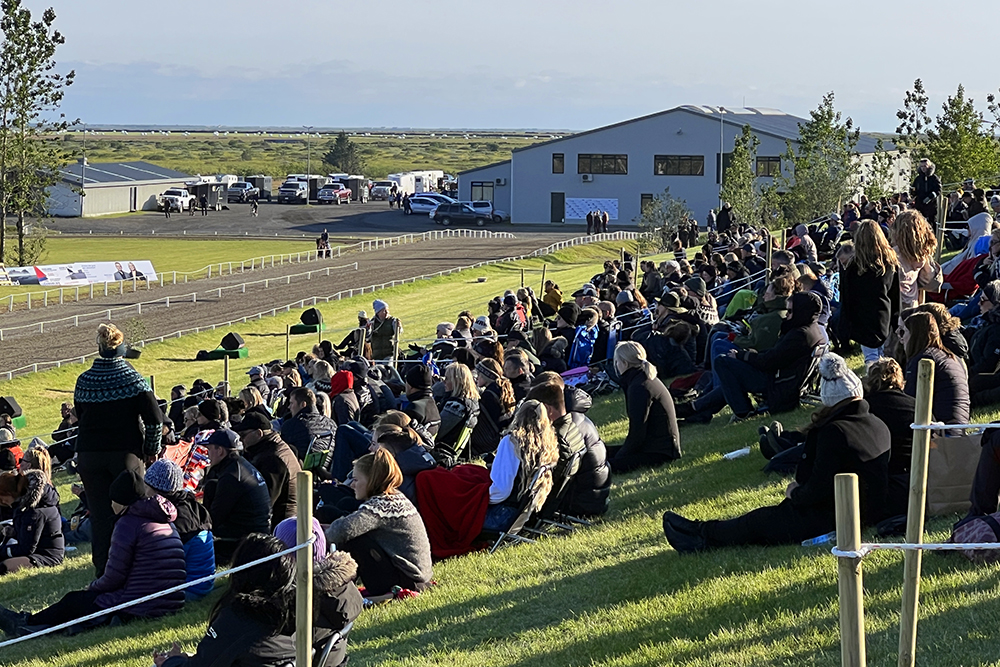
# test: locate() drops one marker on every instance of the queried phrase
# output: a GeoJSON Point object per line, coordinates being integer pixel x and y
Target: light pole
{"type": "Point", "coordinates": [722, 152]}
{"type": "Point", "coordinates": [83, 172]}
{"type": "Point", "coordinates": [308, 129]}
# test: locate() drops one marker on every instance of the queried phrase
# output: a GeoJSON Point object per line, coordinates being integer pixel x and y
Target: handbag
{"type": "Point", "coordinates": [951, 467]}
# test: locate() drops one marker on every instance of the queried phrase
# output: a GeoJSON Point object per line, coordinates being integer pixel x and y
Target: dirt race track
{"type": "Point", "coordinates": [64, 341]}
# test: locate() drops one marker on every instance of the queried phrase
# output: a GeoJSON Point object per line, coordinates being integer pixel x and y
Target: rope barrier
{"type": "Point", "coordinates": [867, 548]}
{"type": "Point", "coordinates": [939, 426]}
{"type": "Point", "coordinates": [159, 594]}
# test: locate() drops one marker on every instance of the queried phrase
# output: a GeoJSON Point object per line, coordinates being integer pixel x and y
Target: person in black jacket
{"type": "Point", "coordinates": [921, 340]}
{"type": "Point", "coordinates": [984, 349]}
{"type": "Point", "coordinates": [842, 438]}
{"type": "Point", "coordinates": [550, 391]}
{"type": "Point", "coordinates": [496, 407]}
{"type": "Point", "coordinates": [37, 526]}
{"type": "Point", "coordinates": [306, 423]}
{"type": "Point", "coordinates": [887, 401]}
{"type": "Point", "coordinates": [274, 460]}
{"type": "Point", "coordinates": [869, 291]}
{"type": "Point", "coordinates": [653, 438]}
{"type": "Point", "coordinates": [459, 410]}
{"type": "Point", "coordinates": [421, 406]}
{"type": "Point", "coordinates": [235, 493]}
{"type": "Point", "coordinates": [927, 190]}
{"type": "Point", "coordinates": [589, 492]}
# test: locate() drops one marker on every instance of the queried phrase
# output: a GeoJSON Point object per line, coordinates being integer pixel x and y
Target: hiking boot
{"type": "Point", "coordinates": [683, 542]}
{"type": "Point", "coordinates": [12, 621]}
{"type": "Point", "coordinates": [679, 523]}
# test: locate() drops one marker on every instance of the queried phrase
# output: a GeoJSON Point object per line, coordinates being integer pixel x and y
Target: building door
{"type": "Point", "coordinates": [133, 199]}
{"type": "Point", "coordinates": [558, 207]}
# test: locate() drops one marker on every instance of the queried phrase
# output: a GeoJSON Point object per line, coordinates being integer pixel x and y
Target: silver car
{"type": "Point", "coordinates": [422, 205]}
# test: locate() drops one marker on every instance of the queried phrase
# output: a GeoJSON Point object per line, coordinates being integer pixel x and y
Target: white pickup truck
{"type": "Point", "coordinates": [177, 199]}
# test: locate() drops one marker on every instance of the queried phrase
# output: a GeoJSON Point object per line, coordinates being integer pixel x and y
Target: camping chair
{"type": "Point", "coordinates": [511, 535]}
{"type": "Point", "coordinates": [462, 444]}
{"type": "Point", "coordinates": [324, 655]}
{"type": "Point", "coordinates": [549, 514]}
{"type": "Point", "coordinates": [319, 454]}
{"type": "Point", "coordinates": [810, 387]}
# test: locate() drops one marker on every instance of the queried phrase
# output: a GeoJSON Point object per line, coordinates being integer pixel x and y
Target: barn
{"type": "Point", "coordinates": [110, 187]}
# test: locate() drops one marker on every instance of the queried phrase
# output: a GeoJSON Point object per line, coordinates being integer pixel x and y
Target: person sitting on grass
{"type": "Point", "coordinates": [385, 536]}
{"type": "Point", "coordinates": [146, 557]}
{"type": "Point", "coordinates": [305, 423]}
{"type": "Point", "coordinates": [35, 538]}
{"type": "Point", "coordinates": [274, 460]}
{"type": "Point", "coordinates": [843, 437]}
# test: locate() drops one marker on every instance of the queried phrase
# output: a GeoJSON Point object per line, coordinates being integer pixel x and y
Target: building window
{"type": "Point", "coordinates": [601, 164]}
{"type": "Point", "coordinates": [644, 201]}
{"type": "Point", "coordinates": [482, 191]}
{"type": "Point", "coordinates": [679, 165]}
{"type": "Point", "coordinates": [558, 163]}
{"type": "Point", "coordinates": [721, 165]}
{"type": "Point", "coordinates": [768, 167]}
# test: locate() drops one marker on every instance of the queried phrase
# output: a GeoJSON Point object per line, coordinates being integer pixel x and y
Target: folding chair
{"type": "Point", "coordinates": [549, 515]}
{"type": "Point", "coordinates": [463, 444]}
{"type": "Point", "coordinates": [319, 454]}
{"type": "Point", "coordinates": [321, 657]}
{"type": "Point", "coordinates": [511, 535]}
{"type": "Point", "coordinates": [810, 387]}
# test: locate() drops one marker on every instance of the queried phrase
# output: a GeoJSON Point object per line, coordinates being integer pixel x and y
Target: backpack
{"type": "Point", "coordinates": [583, 347]}
{"type": "Point", "coordinates": [978, 529]}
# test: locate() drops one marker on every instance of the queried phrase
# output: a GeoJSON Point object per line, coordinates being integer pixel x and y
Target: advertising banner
{"type": "Point", "coordinates": [80, 273]}
{"type": "Point", "coordinates": [577, 208]}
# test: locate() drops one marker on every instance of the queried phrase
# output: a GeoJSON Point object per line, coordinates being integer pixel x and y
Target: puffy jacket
{"type": "Point", "coordinates": [583, 346]}
{"type": "Point", "coordinates": [146, 557]}
{"type": "Point", "coordinates": [422, 408]}
{"type": "Point", "coordinates": [276, 463]}
{"type": "Point", "coordinates": [237, 496]}
{"type": "Point", "coordinates": [384, 337]}
{"type": "Point", "coordinates": [337, 602]}
{"type": "Point", "coordinates": [589, 493]}
{"type": "Point", "coordinates": [412, 461]}
{"type": "Point", "coordinates": [984, 347]}
{"type": "Point", "coordinates": [37, 524]}
{"type": "Point", "coordinates": [951, 385]}
{"type": "Point", "coordinates": [299, 430]}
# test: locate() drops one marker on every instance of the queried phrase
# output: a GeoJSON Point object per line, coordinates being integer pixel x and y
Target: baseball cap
{"type": "Point", "coordinates": [256, 370]}
{"type": "Point", "coordinates": [224, 438]}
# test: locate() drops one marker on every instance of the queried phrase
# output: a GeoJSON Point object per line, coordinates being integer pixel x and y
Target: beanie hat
{"type": "Point", "coordinates": [623, 297]}
{"type": "Point", "coordinates": [287, 532]}
{"type": "Point", "coordinates": [697, 285]}
{"type": "Point", "coordinates": [419, 376]}
{"type": "Point", "coordinates": [378, 305]}
{"type": "Point", "coordinates": [570, 313]}
{"type": "Point", "coordinates": [165, 476]}
{"type": "Point", "coordinates": [487, 373]}
{"type": "Point", "coordinates": [445, 329]}
{"type": "Point", "coordinates": [837, 381]}
{"type": "Point", "coordinates": [341, 382]}
{"type": "Point", "coordinates": [127, 488]}
{"type": "Point", "coordinates": [992, 291]}
{"type": "Point", "coordinates": [209, 409]}
{"type": "Point", "coordinates": [8, 461]}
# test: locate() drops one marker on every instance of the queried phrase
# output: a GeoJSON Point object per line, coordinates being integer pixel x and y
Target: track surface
{"type": "Point", "coordinates": [27, 347]}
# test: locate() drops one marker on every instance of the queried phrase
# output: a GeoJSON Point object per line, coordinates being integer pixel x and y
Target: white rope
{"type": "Point", "coordinates": [938, 426]}
{"type": "Point", "coordinates": [902, 546]}
{"type": "Point", "coordinates": [153, 596]}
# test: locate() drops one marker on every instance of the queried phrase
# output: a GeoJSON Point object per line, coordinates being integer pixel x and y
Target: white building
{"type": "Point", "coordinates": [110, 187]}
{"type": "Point", "coordinates": [618, 168]}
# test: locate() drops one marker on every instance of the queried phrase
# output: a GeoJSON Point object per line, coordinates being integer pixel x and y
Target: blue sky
{"type": "Point", "coordinates": [511, 64]}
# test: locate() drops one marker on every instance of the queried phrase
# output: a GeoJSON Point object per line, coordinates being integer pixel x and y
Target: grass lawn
{"type": "Point", "coordinates": [611, 594]}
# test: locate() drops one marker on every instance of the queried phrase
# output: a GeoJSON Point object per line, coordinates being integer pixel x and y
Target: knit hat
{"type": "Point", "coordinates": [341, 382]}
{"type": "Point", "coordinates": [378, 305]}
{"type": "Point", "coordinates": [837, 381]}
{"type": "Point", "coordinates": [570, 313]}
{"type": "Point", "coordinates": [7, 436]}
{"type": "Point", "coordinates": [445, 329]}
{"type": "Point", "coordinates": [485, 372]}
{"type": "Point", "coordinates": [165, 476]}
{"type": "Point", "coordinates": [419, 376]}
{"type": "Point", "coordinates": [127, 488]}
{"type": "Point", "coordinates": [209, 409]}
{"type": "Point", "coordinates": [253, 421]}
{"type": "Point", "coordinates": [670, 301]}
{"type": "Point", "coordinates": [224, 438]}
{"type": "Point", "coordinates": [697, 285]}
{"type": "Point", "coordinates": [625, 296]}
{"type": "Point", "coordinates": [8, 461]}
{"type": "Point", "coordinates": [992, 292]}
{"type": "Point", "coordinates": [287, 532]}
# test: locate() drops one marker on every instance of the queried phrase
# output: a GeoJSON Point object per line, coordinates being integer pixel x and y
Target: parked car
{"type": "Point", "coordinates": [381, 189]}
{"type": "Point", "coordinates": [178, 200]}
{"type": "Point", "coordinates": [486, 208]}
{"type": "Point", "coordinates": [241, 191]}
{"type": "Point", "coordinates": [334, 193]}
{"type": "Point", "coordinates": [420, 204]}
{"type": "Point", "coordinates": [436, 196]}
{"type": "Point", "coordinates": [293, 192]}
{"type": "Point", "coordinates": [446, 214]}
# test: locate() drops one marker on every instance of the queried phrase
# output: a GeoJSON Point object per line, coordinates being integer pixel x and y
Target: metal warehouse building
{"type": "Point", "coordinates": [110, 187]}
{"type": "Point", "coordinates": [618, 168]}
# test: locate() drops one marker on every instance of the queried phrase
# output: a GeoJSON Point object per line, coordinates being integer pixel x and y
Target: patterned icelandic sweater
{"type": "Point", "coordinates": [392, 521]}
{"type": "Point", "coordinates": [117, 411]}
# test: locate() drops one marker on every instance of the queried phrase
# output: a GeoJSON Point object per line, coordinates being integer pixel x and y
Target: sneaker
{"type": "Point", "coordinates": [12, 621]}
{"type": "Point", "coordinates": [736, 419]}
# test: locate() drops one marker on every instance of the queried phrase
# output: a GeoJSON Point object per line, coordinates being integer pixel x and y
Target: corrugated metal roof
{"type": "Point", "coordinates": [762, 120]}
{"type": "Point", "coordinates": [119, 172]}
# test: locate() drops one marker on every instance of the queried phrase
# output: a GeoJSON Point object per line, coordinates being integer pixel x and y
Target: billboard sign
{"type": "Point", "coordinates": [80, 273]}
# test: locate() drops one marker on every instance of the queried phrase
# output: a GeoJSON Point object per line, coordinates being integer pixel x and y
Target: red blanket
{"type": "Point", "coordinates": [453, 506]}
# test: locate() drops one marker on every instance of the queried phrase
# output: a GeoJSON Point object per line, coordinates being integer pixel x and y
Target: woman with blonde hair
{"type": "Point", "coordinates": [915, 243]}
{"type": "Point", "coordinates": [653, 438]}
{"type": "Point", "coordinates": [529, 444]}
{"type": "Point", "coordinates": [385, 535]}
{"type": "Point", "coordinates": [253, 401]}
{"type": "Point", "coordinates": [459, 410]}
{"type": "Point", "coordinates": [496, 406]}
{"type": "Point", "coordinates": [37, 458]}
{"type": "Point", "coordinates": [869, 291]}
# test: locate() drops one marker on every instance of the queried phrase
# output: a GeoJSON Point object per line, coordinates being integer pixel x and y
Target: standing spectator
{"type": "Point", "coordinates": [407, 210]}
{"type": "Point", "coordinates": [120, 424]}
{"type": "Point", "coordinates": [385, 331]}
{"type": "Point", "coordinates": [604, 222]}
{"type": "Point", "coordinates": [204, 205]}
{"type": "Point", "coordinates": [869, 291]}
{"type": "Point", "coordinates": [914, 243]}
{"type": "Point", "coordinates": [166, 208]}
{"type": "Point", "coordinates": [590, 223]}
{"type": "Point", "coordinates": [63, 446]}
{"type": "Point", "coordinates": [275, 461]}
{"type": "Point", "coordinates": [808, 245]}
{"type": "Point", "coordinates": [724, 221]}
{"type": "Point", "coordinates": [710, 220]}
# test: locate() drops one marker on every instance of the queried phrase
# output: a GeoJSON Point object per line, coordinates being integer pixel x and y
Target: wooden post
{"type": "Point", "coordinates": [915, 515]}
{"type": "Point", "coordinates": [152, 383]}
{"type": "Point", "coordinates": [541, 289]}
{"type": "Point", "coordinates": [942, 215]}
{"type": "Point", "coordinates": [522, 277]}
{"type": "Point", "coordinates": [288, 341]}
{"type": "Point", "coordinates": [304, 571]}
{"type": "Point", "coordinates": [225, 373]}
{"type": "Point", "coordinates": [852, 610]}
{"type": "Point", "coordinates": [767, 242]}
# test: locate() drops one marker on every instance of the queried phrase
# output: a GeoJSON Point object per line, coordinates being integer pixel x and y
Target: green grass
{"type": "Point", "coordinates": [611, 594]}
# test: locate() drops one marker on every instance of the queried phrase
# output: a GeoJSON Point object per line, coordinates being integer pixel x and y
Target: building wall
{"type": "Point", "coordinates": [490, 174]}
{"type": "Point", "coordinates": [677, 133]}
{"type": "Point", "coordinates": [106, 199]}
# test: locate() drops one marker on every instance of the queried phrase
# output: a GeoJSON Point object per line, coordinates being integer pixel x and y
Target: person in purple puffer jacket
{"type": "Point", "coordinates": [146, 556]}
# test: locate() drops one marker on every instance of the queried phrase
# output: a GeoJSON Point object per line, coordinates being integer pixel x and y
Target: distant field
{"type": "Point", "coordinates": [281, 155]}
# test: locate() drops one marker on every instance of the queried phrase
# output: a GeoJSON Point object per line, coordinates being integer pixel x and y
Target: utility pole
{"type": "Point", "coordinates": [308, 129]}
{"type": "Point", "coordinates": [83, 173]}
{"type": "Point", "coordinates": [722, 152]}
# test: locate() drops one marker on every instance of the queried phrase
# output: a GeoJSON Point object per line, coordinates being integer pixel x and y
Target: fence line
{"type": "Point", "coordinates": [343, 294]}
{"type": "Point", "coordinates": [30, 299]}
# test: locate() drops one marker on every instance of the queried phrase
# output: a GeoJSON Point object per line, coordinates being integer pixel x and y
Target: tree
{"type": "Point", "coordinates": [30, 94]}
{"type": "Point", "coordinates": [659, 219]}
{"type": "Point", "coordinates": [913, 121]}
{"type": "Point", "coordinates": [343, 155]}
{"type": "Point", "coordinates": [877, 173]}
{"type": "Point", "coordinates": [739, 183]}
{"type": "Point", "coordinates": [824, 169]}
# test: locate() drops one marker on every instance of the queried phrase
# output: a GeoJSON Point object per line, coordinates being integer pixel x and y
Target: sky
{"type": "Point", "coordinates": [548, 64]}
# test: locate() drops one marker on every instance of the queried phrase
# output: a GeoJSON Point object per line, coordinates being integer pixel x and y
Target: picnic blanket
{"type": "Point", "coordinates": [453, 506]}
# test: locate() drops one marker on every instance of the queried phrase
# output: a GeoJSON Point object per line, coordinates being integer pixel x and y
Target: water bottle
{"type": "Point", "coordinates": [737, 454]}
{"type": "Point", "coordinates": [822, 539]}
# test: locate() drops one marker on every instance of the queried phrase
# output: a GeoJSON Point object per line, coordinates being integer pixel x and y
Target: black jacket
{"type": "Point", "coordinates": [192, 516]}
{"type": "Point", "coordinates": [346, 407]}
{"type": "Point", "coordinates": [236, 495]}
{"type": "Point", "coordinates": [423, 408]}
{"type": "Point", "coordinates": [788, 362]}
{"type": "Point", "coordinates": [278, 465]}
{"type": "Point", "coordinates": [589, 493]}
{"type": "Point", "coordinates": [869, 304]}
{"type": "Point", "coordinates": [652, 422]}
{"type": "Point", "coordinates": [298, 431]}
{"type": "Point", "coordinates": [927, 189]}
{"type": "Point", "coordinates": [895, 409]}
{"type": "Point", "coordinates": [984, 346]}
{"type": "Point", "coordinates": [951, 386]}
{"type": "Point", "coordinates": [37, 524]}
{"type": "Point", "coordinates": [670, 358]}
{"type": "Point", "coordinates": [412, 461]}
{"type": "Point", "coordinates": [492, 421]}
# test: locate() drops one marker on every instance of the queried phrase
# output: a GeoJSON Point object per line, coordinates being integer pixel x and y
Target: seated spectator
{"type": "Point", "coordinates": [386, 536]}
{"type": "Point", "coordinates": [346, 407]}
{"type": "Point", "coordinates": [919, 335]}
{"type": "Point", "coordinates": [590, 490]}
{"type": "Point", "coordinates": [421, 406]}
{"type": "Point", "coordinates": [322, 374]}
{"type": "Point", "coordinates": [253, 401]}
{"type": "Point", "coordinates": [551, 393]}
{"type": "Point", "coordinates": [305, 423]}
{"type": "Point", "coordinates": [843, 437]}
{"type": "Point", "coordinates": [235, 494]}
{"type": "Point", "coordinates": [410, 455]}
{"type": "Point", "coordinates": [949, 328]}
{"type": "Point", "coordinates": [517, 370]}
{"type": "Point", "coordinates": [986, 483]}
{"type": "Point", "coordinates": [984, 349]}
{"type": "Point", "coordinates": [193, 524]}
{"type": "Point", "coordinates": [35, 538]}
{"type": "Point", "coordinates": [585, 339]}
{"type": "Point", "coordinates": [274, 460]}
{"type": "Point", "coordinates": [552, 356]}
{"type": "Point", "coordinates": [496, 407]}
{"type": "Point", "coordinates": [37, 458]}
{"type": "Point", "coordinates": [146, 557]}
{"type": "Point", "coordinates": [566, 319]}
{"type": "Point", "coordinates": [257, 381]}
{"type": "Point", "coordinates": [63, 446]}
{"type": "Point", "coordinates": [653, 438]}
{"type": "Point", "coordinates": [459, 410]}
{"type": "Point", "coordinates": [886, 400]}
